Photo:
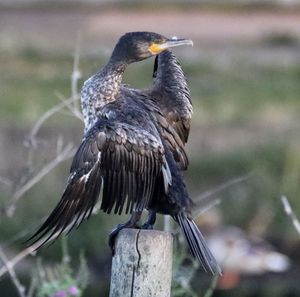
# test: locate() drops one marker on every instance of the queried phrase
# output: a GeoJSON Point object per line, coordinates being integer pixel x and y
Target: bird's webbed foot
{"type": "Point", "coordinates": [150, 221]}
{"type": "Point", "coordinates": [131, 223]}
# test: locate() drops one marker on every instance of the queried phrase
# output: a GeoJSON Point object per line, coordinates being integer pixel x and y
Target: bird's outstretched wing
{"type": "Point", "coordinates": [172, 94]}
{"type": "Point", "coordinates": [124, 160]}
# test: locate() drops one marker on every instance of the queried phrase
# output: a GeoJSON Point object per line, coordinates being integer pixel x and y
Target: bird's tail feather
{"type": "Point", "coordinates": [197, 244]}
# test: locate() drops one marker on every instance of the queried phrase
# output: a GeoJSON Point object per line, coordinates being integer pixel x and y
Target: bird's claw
{"type": "Point", "coordinates": [114, 233]}
{"type": "Point", "coordinates": [148, 225]}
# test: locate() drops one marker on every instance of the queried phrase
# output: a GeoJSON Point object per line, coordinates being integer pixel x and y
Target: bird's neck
{"type": "Point", "coordinates": [109, 81]}
{"type": "Point", "coordinates": [101, 89]}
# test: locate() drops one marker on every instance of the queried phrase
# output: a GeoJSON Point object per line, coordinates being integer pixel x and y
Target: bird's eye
{"type": "Point", "coordinates": [157, 41]}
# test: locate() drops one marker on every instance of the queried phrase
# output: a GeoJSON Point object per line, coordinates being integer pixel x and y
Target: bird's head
{"type": "Point", "coordinates": [137, 46]}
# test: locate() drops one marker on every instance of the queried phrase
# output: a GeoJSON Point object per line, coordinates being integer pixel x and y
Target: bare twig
{"type": "Point", "coordinates": [19, 257]}
{"type": "Point", "coordinates": [221, 187]}
{"type": "Point", "coordinates": [32, 287]}
{"type": "Point", "coordinates": [289, 211]}
{"type": "Point", "coordinates": [202, 202]}
{"type": "Point", "coordinates": [76, 75]}
{"type": "Point", "coordinates": [27, 181]}
{"type": "Point", "coordinates": [212, 287]}
{"type": "Point", "coordinates": [65, 154]}
{"type": "Point", "coordinates": [47, 115]}
{"type": "Point", "coordinates": [6, 181]}
{"type": "Point", "coordinates": [30, 250]}
{"type": "Point", "coordinates": [20, 288]}
{"type": "Point", "coordinates": [74, 111]}
{"type": "Point", "coordinates": [207, 207]}
{"type": "Point", "coordinates": [72, 103]}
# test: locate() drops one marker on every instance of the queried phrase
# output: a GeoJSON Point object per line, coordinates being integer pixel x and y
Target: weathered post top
{"type": "Point", "coordinates": [142, 264]}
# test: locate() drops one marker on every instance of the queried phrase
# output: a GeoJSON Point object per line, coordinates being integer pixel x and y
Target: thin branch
{"type": "Point", "coordinates": [212, 287]}
{"type": "Point", "coordinates": [74, 111]}
{"type": "Point", "coordinates": [62, 153]}
{"type": "Point", "coordinates": [31, 141]}
{"type": "Point", "coordinates": [47, 115]}
{"type": "Point", "coordinates": [65, 154]}
{"type": "Point", "coordinates": [6, 181]}
{"type": "Point", "coordinates": [20, 288]}
{"type": "Point", "coordinates": [210, 205]}
{"type": "Point", "coordinates": [30, 250]}
{"type": "Point", "coordinates": [32, 287]}
{"type": "Point", "coordinates": [28, 229]}
{"type": "Point", "coordinates": [224, 186]}
{"type": "Point", "coordinates": [289, 211]}
{"type": "Point", "coordinates": [19, 257]}
{"type": "Point", "coordinates": [76, 74]}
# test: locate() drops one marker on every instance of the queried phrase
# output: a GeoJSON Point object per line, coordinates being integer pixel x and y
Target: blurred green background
{"type": "Point", "coordinates": [244, 76]}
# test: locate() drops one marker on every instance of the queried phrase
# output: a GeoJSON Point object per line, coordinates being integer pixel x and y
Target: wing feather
{"type": "Point", "coordinates": [125, 160]}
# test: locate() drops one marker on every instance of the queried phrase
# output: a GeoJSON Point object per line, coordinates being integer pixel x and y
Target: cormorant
{"type": "Point", "coordinates": [133, 147]}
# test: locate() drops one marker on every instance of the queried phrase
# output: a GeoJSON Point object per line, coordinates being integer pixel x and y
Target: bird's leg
{"type": "Point", "coordinates": [131, 223]}
{"type": "Point", "coordinates": [150, 220]}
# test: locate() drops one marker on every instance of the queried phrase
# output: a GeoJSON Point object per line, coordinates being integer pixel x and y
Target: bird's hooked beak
{"type": "Point", "coordinates": [157, 48]}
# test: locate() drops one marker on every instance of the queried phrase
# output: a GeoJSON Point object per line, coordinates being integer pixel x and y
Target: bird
{"type": "Point", "coordinates": [133, 148]}
{"type": "Point", "coordinates": [172, 94]}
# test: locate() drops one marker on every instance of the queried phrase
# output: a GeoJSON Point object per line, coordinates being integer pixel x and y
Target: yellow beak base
{"type": "Point", "coordinates": [155, 48]}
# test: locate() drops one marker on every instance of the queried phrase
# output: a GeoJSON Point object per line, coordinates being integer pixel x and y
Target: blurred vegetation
{"type": "Point", "coordinates": [61, 280]}
{"type": "Point", "coordinates": [241, 95]}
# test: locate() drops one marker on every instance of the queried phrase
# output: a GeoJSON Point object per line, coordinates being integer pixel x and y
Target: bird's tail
{"type": "Point", "coordinates": [197, 243]}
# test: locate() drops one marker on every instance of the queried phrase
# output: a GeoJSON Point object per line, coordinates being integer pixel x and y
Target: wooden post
{"type": "Point", "coordinates": [142, 265]}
